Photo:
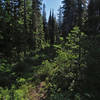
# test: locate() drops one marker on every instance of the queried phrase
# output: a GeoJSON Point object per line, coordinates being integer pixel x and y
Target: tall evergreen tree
{"type": "Point", "coordinates": [69, 16]}
{"type": "Point", "coordinates": [37, 23]}
{"type": "Point", "coordinates": [45, 23]}
{"type": "Point", "coordinates": [72, 14]}
{"type": "Point", "coordinates": [52, 28]}
{"type": "Point", "coordinates": [60, 21]}
{"type": "Point", "coordinates": [20, 26]}
{"type": "Point", "coordinates": [93, 17]}
{"type": "Point", "coordinates": [93, 70]}
{"type": "Point", "coordinates": [60, 17]}
{"type": "Point", "coordinates": [50, 25]}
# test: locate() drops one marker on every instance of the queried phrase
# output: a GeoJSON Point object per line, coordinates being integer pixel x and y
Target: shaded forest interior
{"type": "Point", "coordinates": [54, 59]}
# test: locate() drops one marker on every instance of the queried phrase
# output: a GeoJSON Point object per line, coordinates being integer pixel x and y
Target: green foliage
{"type": "Point", "coordinates": [21, 81]}
{"type": "Point", "coordinates": [21, 93]}
{"type": "Point", "coordinates": [6, 74]}
{"type": "Point", "coordinates": [57, 96]}
{"type": "Point", "coordinates": [14, 94]}
{"type": "Point", "coordinates": [33, 52]}
{"type": "Point", "coordinates": [63, 72]}
{"type": "Point", "coordinates": [4, 94]}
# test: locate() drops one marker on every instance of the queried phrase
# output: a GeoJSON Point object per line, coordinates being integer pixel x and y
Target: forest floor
{"type": "Point", "coordinates": [37, 93]}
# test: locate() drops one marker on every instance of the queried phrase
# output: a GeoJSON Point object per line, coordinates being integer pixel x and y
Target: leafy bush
{"type": "Point", "coordinates": [62, 74]}
{"type": "Point", "coordinates": [7, 77]}
{"type": "Point", "coordinates": [14, 94]}
{"type": "Point", "coordinates": [4, 94]}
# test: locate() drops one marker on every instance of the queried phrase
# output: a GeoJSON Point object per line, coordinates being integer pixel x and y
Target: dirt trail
{"type": "Point", "coordinates": [38, 93]}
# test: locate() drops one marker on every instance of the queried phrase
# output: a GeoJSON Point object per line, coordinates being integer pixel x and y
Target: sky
{"type": "Point", "coordinates": [52, 4]}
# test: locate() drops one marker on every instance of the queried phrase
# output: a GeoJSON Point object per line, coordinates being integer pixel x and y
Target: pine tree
{"type": "Point", "coordinates": [60, 22]}
{"type": "Point", "coordinates": [92, 72]}
{"type": "Point", "coordinates": [37, 24]}
{"type": "Point", "coordinates": [1, 29]}
{"type": "Point", "coordinates": [69, 16]}
{"type": "Point", "coordinates": [45, 23]}
{"type": "Point", "coordinates": [60, 17]}
{"type": "Point", "coordinates": [52, 28]}
{"type": "Point", "coordinates": [21, 26]}
{"type": "Point", "coordinates": [50, 25]}
{"type": "Point", "coordinates": [93, 62]}
{"type": "Point", "coordinates": [7, 33]}
{"type": "Point", "coordinates": [73, 14]}
{"type": "Point", "coordinates": [93, 26]}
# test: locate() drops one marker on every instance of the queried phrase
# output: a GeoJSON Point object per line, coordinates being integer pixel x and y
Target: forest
{"type": "Point", "coordinates": [55, 58]}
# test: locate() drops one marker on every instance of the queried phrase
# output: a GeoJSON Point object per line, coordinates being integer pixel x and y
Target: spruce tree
{"type": "Point", "coordinates": [37, 24]}
{"type": "Point", "coordinates": [72, 14]}
{"type": "Point", "coordinates": [45, 23]}
{"type": "Point", "coordinates": [69, 16]}
{"type": "Point", "coordinates": [60, 22]}
{"type": "Point", "coordinates": [60, 17]}
{"type": "Point", "coordinates": [93, 26]}
{"type": "Point", "coordinates": [52, 28]}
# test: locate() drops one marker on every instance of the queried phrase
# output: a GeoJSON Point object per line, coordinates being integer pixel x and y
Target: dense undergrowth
{"type": "Point", "coordinates": [59, 67]}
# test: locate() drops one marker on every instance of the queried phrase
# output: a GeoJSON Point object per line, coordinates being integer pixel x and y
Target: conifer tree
{"type": "Point", "coordinates": [60, 22]}
{"type": "Point", "coordinates": [93, 27]}
{"type": "Point", "coordinates": [72, 14]}
{"type": "Point", "coordinates": [52, 28]}
{"type": "Point", "coordinates": [75, 45]}
{"type": "Point", "coordinates": [60, 17]}
{"type": "Point", "coordinates": [50, 25]}
{"type": "Point", "coordinates": [37, 23]}
{"type": "Point", "coordinates": [69, 16]}
{"type": "Point", "coordinates": [45, 23]}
